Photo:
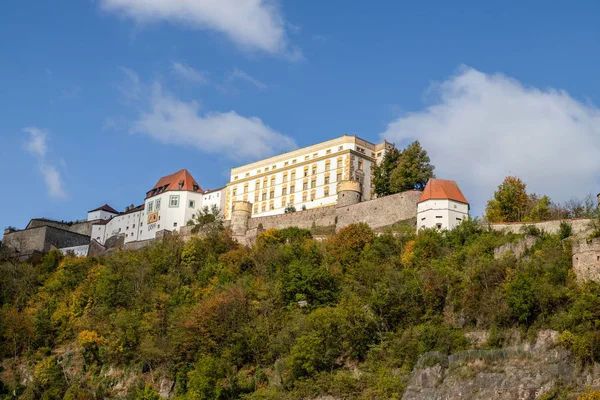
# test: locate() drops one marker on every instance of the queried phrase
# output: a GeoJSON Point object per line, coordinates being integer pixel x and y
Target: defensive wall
{"type": "Point", "coordinates": [580, 226]}
{"type": "Point", "coordinates": [586, 259]}
{"type": "Point", "coordinates": [377, 213]}
{"type": "Point", "coordinates": [43, 239]}
{"type": "Point", "coordinates": [81, 227]}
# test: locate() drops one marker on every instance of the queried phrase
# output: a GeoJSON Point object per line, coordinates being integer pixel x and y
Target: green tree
{"type": "Point", "coordinates": [206, 217]}
{"type": "Point", "coordinates": [539, 209]}
{"type": "Point", "coordinates": [383, 172]}
{"type": "Point", "coordinates": [413, 170]}
{"type": "Point", "coordinates": [509, 203]}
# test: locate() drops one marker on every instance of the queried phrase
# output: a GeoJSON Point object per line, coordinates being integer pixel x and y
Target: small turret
{"type": "Point", "coordinates": [240, 214]}
{"type": "Point", "coordinates": [348, 192]}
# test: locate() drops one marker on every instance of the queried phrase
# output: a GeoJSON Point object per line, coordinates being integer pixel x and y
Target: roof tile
{"type": "Point", "coordinates": [442, 189]}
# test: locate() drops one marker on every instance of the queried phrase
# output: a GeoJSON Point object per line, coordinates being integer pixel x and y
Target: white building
{"type": "Point", "coordinates": [442, 205]}
{"type": "Point", "coordinates": [306, 177]}
{"type": "Point", "coordinates": [104, 212]}
{"type": "Point", "coordinates": [170, 204]}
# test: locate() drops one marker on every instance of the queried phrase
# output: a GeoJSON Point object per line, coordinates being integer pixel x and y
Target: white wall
{"type": "Point", "coordinates": [126, 224]}
{"type": "Point", "coordinates": [99, 214]}
{"type": "Point", "coordinates": [79, 251]}
{"type": "Point", "coordinates": [441, 214]}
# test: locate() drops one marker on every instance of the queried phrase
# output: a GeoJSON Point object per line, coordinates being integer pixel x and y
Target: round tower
{"type": "Point", "coordinates": [239, 217]}
{"type": "Point", "coordinates": [348, 192]}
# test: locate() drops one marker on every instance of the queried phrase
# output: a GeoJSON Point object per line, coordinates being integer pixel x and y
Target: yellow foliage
{"type": "Point", "coordinates": [591, 395]}
{"type": "Point", "coordinates": [89, 339]}
{"type": "Point", "coordinates": [408, 253]}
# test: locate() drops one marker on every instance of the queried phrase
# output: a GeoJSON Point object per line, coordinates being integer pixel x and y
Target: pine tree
{"type": "Point", "coordinates": [413, 170]}
{"type": "Point", "coordinates": [382, 172]}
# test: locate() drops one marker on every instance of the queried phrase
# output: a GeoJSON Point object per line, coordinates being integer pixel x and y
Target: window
{"type": "Point", "coordinates": [174, 224]}
{"type": "Point", "coordinates": [292, 189]}
{"type": "Point", "coordinates": [256, 209]}
{"type": "Point", "coordinates": [257, 185]}
{"type": "Point", "coordinates": [313, 184]}
{"type": "Point", "coordinates": [458, 219]}
{"type": "Point", "coordinates": [315, 155]}
{"type": "Point", "coordinates": [271, 194]}
{"type": "Point", "coordinates": [305, 171]}
{"type": "Point", "coordinates": [423, 219]}
{"type": "Point", "coordinates": [285, 177]}
{"type": "Point", "coordinates": [327, 166]}
{"type": "Point", "coordinates": [285, 164]}
{"type": "Point", "coordinates": [263, 207]}
{"type": "Point", "coordinates": [339, 176]}
{"type": "Point", "coordinates": [326, 191]}
{"type": "Point", "coordinates": [127, 228]}
{"type": "Point", "coordinates": [246, 188]}
{"type": "Point", "coordinates": [273, 181]}
{"type": "Point", "coordinates": [258, 171]}
{"type": "Point", "coordinates": [438, 216]}
{"type": "Point", "coordinates": [266, 169]}
{"type": "Point", "coordinates": [326, 179]}
{"type": "Point", "coordinates": [149, 206]}
{"type": "Point", "coordinates": [340, 148]}
{"type": "Point", "coordinates": [314, 170]}
{"type": "Point", "coordinates": [235, 178]}
{"type": "Point", "coordinates": [133, 226]}
{"type": "Point", "coordinates": [304, 197]}
{"type": "Point", "coordinates": [328, 151]}
{"type": "Point", "coordinates": [313, 194]}
{"type": "Point", "coordinates": [283, 201]}
{"type": "Point", "coordinates": [305, 185]}
{"type": "Point", "coordinates": [306, 158]}
{"type": "Point", "coordinates": [192, 204]}
{"type": "Point", "coordinates": [234, 191]}
{"type": "Point", "coordinates": [339, 163]}
{"type": "Point", "coordinates": [284, 191]}
{"type": "Point", "coordinates": [271, 205]}
{"type": "Point", "coordinates": [274, 166]}
{"type": "Point", "coordinates": [157, 204]}
{"type": "Point", "coordinates": [294, 175]}
{"type": "Point", "coordinates": [291, 203]}
{"type": "Point", "coordinates": [264, 196]}
{"type": "Point", "coordinates": [439, 226]}
{"type": "Point", "coordinates": [247, 174]}
{"type": "Point", "coordinates": [360, 164]}
{"type": "Point", "coordinates": [293, 161]}
{"type": "Point", "coordinates": [174, 201]}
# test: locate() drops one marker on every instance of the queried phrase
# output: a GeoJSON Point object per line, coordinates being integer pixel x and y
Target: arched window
{"type": "Point", "coordinates": [305, 171]}
{"type": "Point", "coordinates": [339, 162]}
{"type": "Point", "coordinates": [314, 169]}
{"type": "Point", "coordinates": [273, 181]}
{"type": "Point", "coordinates": [264, 195]}
{"type": "Point", "coordinates": [313, 195]}
{"type": "Point", "coordinates": [291, 203]}
{"type": "Point", "coordinates": [257, 185]}
{"type": "Point", "coordinates": [360, 164]}
{"type": "Point", "coordinates": [283, 202]}
{"type": "Point", "coordinates": [305, 184]}
{"type": "Point", "coordinates": [285, 177]}
{"type": "Point", "coordinates": [313, 183]}
{"type": "Point", "coordinates": [304, 197]}
{"type": "Point", "coordinates": [327, 179]}
{"type": "Point", "coordinates": [293, 176]}
{"type": "Point", "coordinates": [327, 165]}
{"type": "Point", "coordinates": [256, 209]}
{"type": "Point", "coordinates": [264, 207]}
{"type": "Point", "coordinates": [326, 191]}
{"type": "Point", "coordinates": [245, 188]}
{"type": "Point", "coordinates": [265, 183]}
{"type": "Point", "coordinates": [234, 191]}
{"type": "Point", "coordinates": [271, 205]}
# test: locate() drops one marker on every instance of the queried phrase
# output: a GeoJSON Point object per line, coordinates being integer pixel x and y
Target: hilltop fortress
{"type": "Point", "coordinates": [323, 187]}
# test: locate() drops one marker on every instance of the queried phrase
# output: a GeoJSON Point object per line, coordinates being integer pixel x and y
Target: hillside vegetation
{"type": "Point", "coordinates": [291, 318]}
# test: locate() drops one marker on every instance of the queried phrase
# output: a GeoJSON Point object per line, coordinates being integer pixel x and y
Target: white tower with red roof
{"type": "Point", "coordinates": [442, 205]}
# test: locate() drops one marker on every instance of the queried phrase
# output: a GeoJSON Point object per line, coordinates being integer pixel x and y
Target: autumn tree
{"type": "Point", "coordinates": [509, 202]}
{"type": "Point", "coordinates": [206, 217]}
{"type": "Point", "coordinates": [413, 171]}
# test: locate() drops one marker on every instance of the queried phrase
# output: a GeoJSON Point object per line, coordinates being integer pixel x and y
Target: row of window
{"type": "Point", "coordinates": [154, 205]}
{"type": "Point", "coordinates": [313, 183]}
{"type": "Point", "coordinates": [285, 203]}
{"type": "Point", "coordinates": [286, 163]}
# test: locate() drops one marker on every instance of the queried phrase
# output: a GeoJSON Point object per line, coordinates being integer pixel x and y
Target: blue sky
{"type": "Point", "coordinates": [101, 98]}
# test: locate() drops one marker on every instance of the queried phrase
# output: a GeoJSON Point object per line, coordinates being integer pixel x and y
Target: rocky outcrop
{"type": "Point", "coordinates": [524, 372]}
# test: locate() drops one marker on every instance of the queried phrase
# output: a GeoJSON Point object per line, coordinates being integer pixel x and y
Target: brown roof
{"type": "Point", "coordinates": [442, 189]}
{"type": "Point", "coordinates": [106, 208]}
{"type": "Point", "coordinates": [180, 180]}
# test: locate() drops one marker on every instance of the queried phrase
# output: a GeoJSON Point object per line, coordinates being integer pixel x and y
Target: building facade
{"type": "Point", "coordinates": [169, 205]}
{"type": "Point", "coordinates": [441, 205]}
{"type": "Point", "coordinates": [305, 178]}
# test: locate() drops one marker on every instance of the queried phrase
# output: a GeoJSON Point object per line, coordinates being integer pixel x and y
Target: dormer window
{"type": "Point", "coordinates": [196, 188]}
{"type": "Point", "coordinates": [180, 186]}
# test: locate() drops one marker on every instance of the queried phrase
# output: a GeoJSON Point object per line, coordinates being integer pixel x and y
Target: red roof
{"type": "Point", "coordinates": [180, 180]}
{"type": "Point", "coordinates": [106, 208]}
{"type": "Point", "coordinates": [442, 189]}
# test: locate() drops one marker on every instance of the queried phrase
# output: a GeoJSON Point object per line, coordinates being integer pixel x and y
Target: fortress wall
{"type": "Point", "coordinates": [323, 216]}
{"type": "Point", "coordinates": [26, 240]}
{"type": "Point", "coordinates": [586, 259]}
{"type": "Point", "coordinates": [580, 226]}
{"type": "Point", "coordinates": [83, 227]}
{"type": "Point", "coordinates": [380, 212]}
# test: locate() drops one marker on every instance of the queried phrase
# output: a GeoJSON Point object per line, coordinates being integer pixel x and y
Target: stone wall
{"type": "Point", "coordinates": [81, 227]}
{"type": "Point", "coordinates": [586, 259]}
{"type": "Point", "coordinates": [377, 213]}
{"type": "Point", "coordinates": [580, 226]}
{"type": "Point", "coordinates": [517, 249]}
{"type": "Point", "coordinates": [43, 239]}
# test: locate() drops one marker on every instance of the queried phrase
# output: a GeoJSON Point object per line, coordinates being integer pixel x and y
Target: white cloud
{"type": "Point", "coordinates": [189, 74]}
{"type": "Point", "coordinates": [483, 127]}
{"type": "Point", "coordinates": [252, 24]}
{"type": "Point", "coordinates": [239, 74]}
{"type": "Point", "coordinates": [172, 121]}
{"type": "Point", "coordinates": [38, 146]}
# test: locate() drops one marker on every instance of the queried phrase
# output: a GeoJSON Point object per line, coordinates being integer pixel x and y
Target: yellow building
{"type": "Point", "coordinates": [305, 178]}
